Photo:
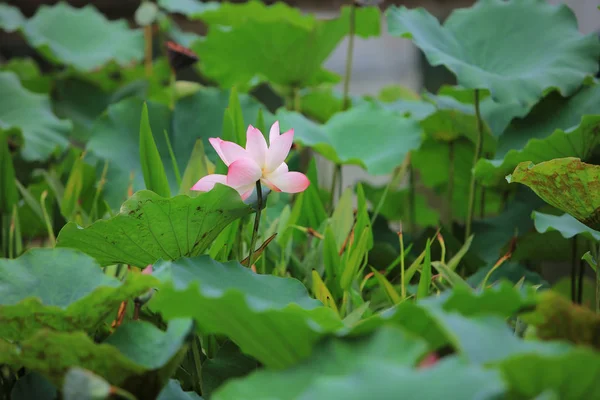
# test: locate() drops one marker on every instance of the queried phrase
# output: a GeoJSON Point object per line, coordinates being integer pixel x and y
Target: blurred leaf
{"type": "Point", "coordinates": [384, 361]}
{"type": "Point", "coordinates": [321, 104]}
{"type": "Point", "coordinates": [173, 391]}
{"type": "Point", "coordinates": [509, 271]}
{"type": "Point", "coordinates": [565, 56]}
{"type": "Point", "coordinates": [387, 287]}
{"type": "Point", "coordinates": [150, 227]}
{"type": "Point", "coordinates": [98, 40]}
{"type": "Point", "coordinates": [425, 279]}
{"type": "Point", "coordinates": [33, 386]}
{"type": "Point", "coordinates": [579, 141]}
{"type": "Point", "coordinates": [150, 159]}
{"type": "Point", "coordinates": [234, 56]}
{"type": "Point", "coordinates": [72, 190]}
{"type": "Point", "coordinates": [395, 206]}
{"type": "Point", "coordinates": [228, 299]}
{"type": "Point", "coordinates": [124, 360]}
{"type": "Point", "coordinates": [29, 74]}
{"type": "Point", "coordinates": [322, 293]}
{"type": "Point", "coordinates": [565, 183]}
{"type": "Point", "coordinates": [37, 291]}
{"type": "Point", "coordinates": [557, 318]}
{"type": "Point", "coordinates": [80, 384]}
{"type": "Point", "coordinates": [11, 18]}
{"type": "Point", "coordinates": [228, 363]}
{"type": "Point", "coordinates": [31, 113]}
{"type": "Point", "coordinates": [198, 166]}
{"type": "Point", "coordinates": [565, 224]}
{"type": "Point", "coordinates": [189, 8]}
{"type": "Point", "coordinates": [391, 137]}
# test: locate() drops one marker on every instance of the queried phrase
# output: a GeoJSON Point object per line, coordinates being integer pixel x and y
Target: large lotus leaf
{"type": "Point", "coordinates": [369, 136]}
{"type": "Point", "coordinates": [150, 227]}
{"type": "Point", "coordinates": [98, 41]}
{"type": "Point", "coordinates": [115, 135]}
{"type": "Point", "coordinates": [173, 391]}
{"type": "Point", "coordinates": [565, 183]}
{"type": "Point", "coordinates": [478, 44]}
{"type": "Point", "coordinates": [579, 141]}
{"type": "Point", "coordinates": [551, 113]}
{"type": "Point", "coordinates": [60, 289]}
{"type": "Point", "coordinates": [138, 357]}
{"type": "Point", "coordinates": [31, 113]}
{"type": "Point", "coordinates": [565, 224]}
{"type": "Point", "coordinates": [379, 365]}
{"type": "Point", "coordinates": [271, 318]}
{"type": "Point", "coordinates": [275, 43]}
{"type": "Point", "coordinates": [29, 74]}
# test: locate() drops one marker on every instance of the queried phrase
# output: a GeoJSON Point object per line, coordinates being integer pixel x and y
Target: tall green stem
{"type": "Point", "coordinates": [334, 179]}
{"type": "Point", "coordinates": [450, 192]}
{"type": "Point", "coordinates": [349, 57]}
{"type": "Point", "coordinates": [478, 147]}
{"type": "Point", "coordinates": [256, 224]}
{"type": "Point", "coordinates": [412, 201]}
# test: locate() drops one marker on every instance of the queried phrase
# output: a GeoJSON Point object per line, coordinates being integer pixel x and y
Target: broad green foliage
{"type": "Point", "coordinates": [37, 291]}
{"type": "Point", "coordinates": [149, 227]}
{"type": "Point", "coordinates": [30, 112]}
{"type": "Point", "coordinates": [190, 8]}
{"type": "Point", "coordinates": [476, 43]}
{"type": "Point", "coordinates": [565, 183]}
{"type": "Point", "coordinates": [228, 299]}
{"type": "Point", "coordinates": [276, 43]}
{"type": "Point", "coordinates": [98, 42]}
{"type": "Point", "coordinates": [369, 127]}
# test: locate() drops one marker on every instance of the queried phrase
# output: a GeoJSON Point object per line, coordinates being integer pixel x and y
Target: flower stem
{"type": "Point", "coordinates": [349, 56]}
{"type": "Point", "coordinates": [259, 204]}
{"type": "Point", "coordinates": [478, 147]}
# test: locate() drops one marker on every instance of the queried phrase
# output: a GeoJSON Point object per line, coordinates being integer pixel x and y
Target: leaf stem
{"type": "Point", "coordinates": [478, 147]}
{"type": "Point", "coordinates": [349, 57]}
{"type": "Point", "coordinates": [259, 204]}
{"type": "Point", "coordinates": [450, 192]}
{"type": "Point", "coordinates": [148, 50]}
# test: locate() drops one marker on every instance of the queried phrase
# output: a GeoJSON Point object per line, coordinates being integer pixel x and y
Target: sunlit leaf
{"type": "Point", "coordinates": [475, 43]}
{"type": "Point", "coordinates": [229, 299]}
{"type": "Point", "coordinates": [37, 291]}
{"type": "Point", "coordinates": [565, 183]}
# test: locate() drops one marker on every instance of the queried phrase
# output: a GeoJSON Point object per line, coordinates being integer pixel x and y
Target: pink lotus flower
{"type": "Point", "coordinates": [256, 162]}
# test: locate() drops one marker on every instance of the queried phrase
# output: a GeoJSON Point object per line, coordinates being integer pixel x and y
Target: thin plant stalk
{"type": "Point", "coordinates": [333, 186]}
{"type": "Point", "coordinates": [196, 354]}
{"type": "Point", "coordinates": [574, 265]}
{"type": "Point", "coordinates": [259, 204]}
{"type": "Point", "coordinates": [173, 159]}
{"type": "Point", "coordinates": [412, 195]}
{"type": "Point", "coordinates": [349, 57]}
{"type": "Point", "coordinates": [478, 147]}
{"type": "Point", "coordinates": [450, 192]}
{"type": "Point", "coordinates": [597, 276]}
{"type": "Point", "coordinates": [47, 220]}
{"type": "Point", "coordinates": [402, 273]}
{"type": "Point", "coordinates": [397, 176]}
{"type": "Point", "coordinates": [482, 203]}
{"type": "Point", "coordinates": [148, 50]}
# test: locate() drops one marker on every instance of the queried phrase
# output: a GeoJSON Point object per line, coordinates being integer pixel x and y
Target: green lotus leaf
{"type": "Point", "coordinates": [270, 318]}
{"type": "Point", "coordinates": [189, 8]}
{"type": "Point", "coordinates": [277, 43]}
{"type": "Point", "coordinates": [477, 44]}
{"type": "Point", "coordinates": [98, 41]}
{"type": "Point", "coordinates": [150, 227]}
{"type": "Point", "coordinates": [11, 18]}
{"type": "Point", "coordinates": [380, 138]}
{"type": "Point", "coordinates": [30, 112]}
{"type": "Point", "coordinates": [565, 183]}
{"type": "Point", "coordinates": [380, 364]}
{"type": "Point", "coordinates": [37, 291]}
{"type": "Point", "coordinates": [138, 357]}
